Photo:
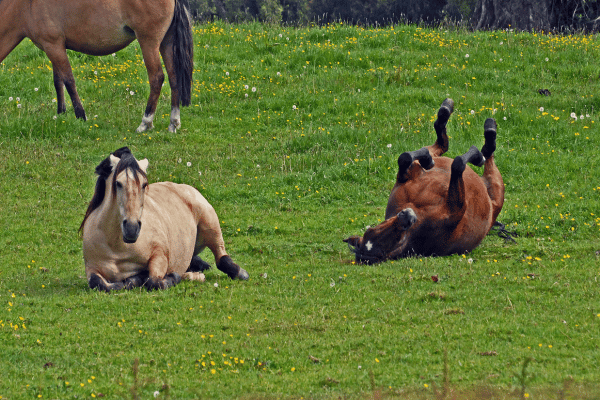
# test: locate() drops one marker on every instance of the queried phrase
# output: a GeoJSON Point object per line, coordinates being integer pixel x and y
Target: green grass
{"type": "Point", "coordinates": [292, 169]}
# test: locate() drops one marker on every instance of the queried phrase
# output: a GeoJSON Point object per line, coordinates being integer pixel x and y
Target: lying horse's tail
{"type": "Point", "coordinates": [183, 50]}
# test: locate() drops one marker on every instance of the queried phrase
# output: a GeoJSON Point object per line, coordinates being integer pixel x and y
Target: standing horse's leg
{"type": "Point", "coordinates": [491, 175]}
{"type": "Point", "coordinates": [166, 51]}
{"type": "Point", "coordinates": [441, 144]}
{"type": "Point", "coordinates": [63, 77]}
{"type": "Point", "coordinates": [156, 77]}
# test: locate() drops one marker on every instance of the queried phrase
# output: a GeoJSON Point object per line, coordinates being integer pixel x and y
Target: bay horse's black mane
{"type": "Point", "coordinates": [103, 170]}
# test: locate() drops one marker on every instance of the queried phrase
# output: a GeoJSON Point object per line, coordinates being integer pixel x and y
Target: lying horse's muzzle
{"type": "Point", "coordinates": [365, 257]}
{"type": "Point", "coordinates": [131, 230]}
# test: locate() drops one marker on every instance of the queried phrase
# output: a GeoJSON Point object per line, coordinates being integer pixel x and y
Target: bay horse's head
{"type": "Point", "coordinates": [382, 242]}
{"type": "Point", "coordinates": [129, 185]}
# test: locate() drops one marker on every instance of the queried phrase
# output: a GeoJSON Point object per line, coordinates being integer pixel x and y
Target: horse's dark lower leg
{"type": "Point", "coordinates": [198, 265]}
{"type": "Point", "coordinates": [441, 144]}
{"type": "Point", "coordinates": [491, 174]}
{"type": "Point", "coordinates": [153, 283]}
{"type": "Point", "coordinates": [233, 270]}
{"type": "Point", "coordinates": [406, 159]}
{"type": "Point", "coordinates": [136, 281]}
{"type": "Point", "coordinates": [97, 282]}
{"type": "Point", "coordinates": [473, 156]}
{"type": "Point", "coordinates": [63, 77]}
{"type": "Point", "coordinates": [489, 133]}
{"type": "Point", "coordinates": [59, 86]}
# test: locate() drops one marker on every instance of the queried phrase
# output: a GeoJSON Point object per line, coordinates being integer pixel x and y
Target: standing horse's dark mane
{"type": "Point", "coordinates": [103, 170]}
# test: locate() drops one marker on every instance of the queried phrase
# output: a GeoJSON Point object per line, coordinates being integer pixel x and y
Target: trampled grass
{"type": "Point", "coordinates": [293, 136]}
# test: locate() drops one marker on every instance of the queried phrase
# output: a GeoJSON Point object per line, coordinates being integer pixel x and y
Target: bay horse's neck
{"type": "Point", "coordinates": [13, 25]}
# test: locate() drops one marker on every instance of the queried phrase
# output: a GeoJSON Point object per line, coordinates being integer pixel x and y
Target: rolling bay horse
{"type": "Point", "coordinates": [135, 234]}
{"type": "Point", "coordinates": [438, 206]}
{"type": "Point", "coordinates": [101, 27]}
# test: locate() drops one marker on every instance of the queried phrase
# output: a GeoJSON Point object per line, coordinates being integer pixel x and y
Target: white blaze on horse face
{"type": "Point", "coordinates": [369, 245]}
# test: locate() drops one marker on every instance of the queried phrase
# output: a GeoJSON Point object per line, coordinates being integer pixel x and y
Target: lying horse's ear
{"type": "Point", "coordinates": [143, 165]}
{"type": "Point", "coordinates": [113, 161]}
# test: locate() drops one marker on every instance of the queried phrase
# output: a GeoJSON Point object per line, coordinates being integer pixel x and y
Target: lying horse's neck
{"type": "Point", "coordinates": [12, 25]}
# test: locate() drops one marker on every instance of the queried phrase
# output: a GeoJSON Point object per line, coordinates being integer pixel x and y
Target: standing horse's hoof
{"type": "Point", "coordinates": [243, 275]}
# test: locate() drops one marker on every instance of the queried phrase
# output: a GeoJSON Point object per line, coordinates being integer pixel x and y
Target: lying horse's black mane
{"type": "Point", "coordinates": [103, 170]}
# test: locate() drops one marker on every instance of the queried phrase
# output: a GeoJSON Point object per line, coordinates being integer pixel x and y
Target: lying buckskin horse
{"type": "Point", "coordinates": [438, 206]}
{"type": "Point", "coordinates": [135, 234]}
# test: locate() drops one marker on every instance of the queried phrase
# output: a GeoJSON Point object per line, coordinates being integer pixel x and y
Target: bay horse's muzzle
{"type": "Point", "coordinates": [131, 230]}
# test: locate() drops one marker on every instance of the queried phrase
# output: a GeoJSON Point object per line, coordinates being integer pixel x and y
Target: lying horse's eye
{"type": "Point", "coordinates": [145, 185]}
{"type": "Point", "coordinates": [119, 185]}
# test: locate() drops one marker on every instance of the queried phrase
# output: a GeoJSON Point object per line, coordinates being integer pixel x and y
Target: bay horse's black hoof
{"type": "Point", "coordinates": [489, 133]}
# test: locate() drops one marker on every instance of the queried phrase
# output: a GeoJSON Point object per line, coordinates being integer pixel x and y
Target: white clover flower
{"type": "Point", "coordinates": [280, 35]}
{"type": "Point", "coordinates": [18, 99]}
{"type": "Point", "coordinates": [504, 118]}
{"type": "Point", "coordinates": [278, 73]}
{"type": "Point", "coordinates": [131, 92]}
{"type": "Point", "coordinates": [472, 112]}
{"type": "Point", "coordinates": [206, 46]}
{"type": "Point", "coordinates": [36, 89]}
{"type": "Point", "coordinates": [470, 261]}
{"type": "Point", "coordinates": [216, 284]}
{"type": "Point", "coordinates": [501, 43]}
{"type": "Point", "coordinates": [156, 394]}
{"type": "Point", "coordinates": [573, 115]}
{"type": "Point", "coordinates": [542, 109]}
{"type": "Point", "coordinates": [547, 59]}
{"type": "Point", "coordinates": [466, 56]}
{"type": "Point", "coordinates": [581, 117]}
{"type": "Point", "coordinates": [294, 107]}
{"type": "Point", "coordinates": [264, 275]}
{"type": "Point", "coordinates": [54, 118]}
{"type": "Point", "coordinates": [18, 105]}
{"type": "Point", "coordinates": [189, 164]}
{"type": "Point", "coordinates": [246, 95]}
{"type": "Point", "coordinates": [226, 73]}
{"type": "Point", "coordinates": [253, 89]}
{"type": "Point", "coordinates": [389, 146]}
{"type": "Point", "coordinates": [246, 87]}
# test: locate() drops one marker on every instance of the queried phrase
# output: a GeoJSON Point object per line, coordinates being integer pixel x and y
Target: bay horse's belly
{"type": "Point", "coordinates": [432, 235]}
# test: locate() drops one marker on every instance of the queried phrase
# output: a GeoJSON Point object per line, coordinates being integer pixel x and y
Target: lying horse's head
{"type": "Point", "coordinates": [383, 241]}
{"type": "Point", "coordinates": [439, 205]}
{"type": "Point", "coordinates": [126, 178]}
{"type": "Point", "coordinates": [129, 184]}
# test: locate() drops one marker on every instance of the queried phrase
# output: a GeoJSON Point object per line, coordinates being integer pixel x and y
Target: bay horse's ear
{"type": "Point", "coordinates": [143, 165]}
{"type": "Point", "coordinates": [114, 161]}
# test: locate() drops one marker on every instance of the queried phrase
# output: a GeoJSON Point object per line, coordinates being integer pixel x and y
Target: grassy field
{"type": "Point", "coordinates": [293, 136]}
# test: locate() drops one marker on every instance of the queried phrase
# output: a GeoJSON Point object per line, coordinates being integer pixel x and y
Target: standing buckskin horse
{"type": "Point", "coordinates": [101, 27]}
{"type": "Point", "coordinates": [135, 234]}
{"type": "Point", "coordinates": [438, 206]}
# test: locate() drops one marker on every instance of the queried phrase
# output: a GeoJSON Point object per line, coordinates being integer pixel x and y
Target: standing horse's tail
{"type": "Point", "coordinates": [183, 50]}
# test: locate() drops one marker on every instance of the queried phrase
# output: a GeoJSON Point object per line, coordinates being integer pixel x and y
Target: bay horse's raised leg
{"type": "Point", "coordinates": [441, 144]}
{"type": "Point", "coordinates": [491, 175]}
{"type": "Point", "coordinates": [456, 190]}
{"type": "Point", "coordinates": [423, 155]}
